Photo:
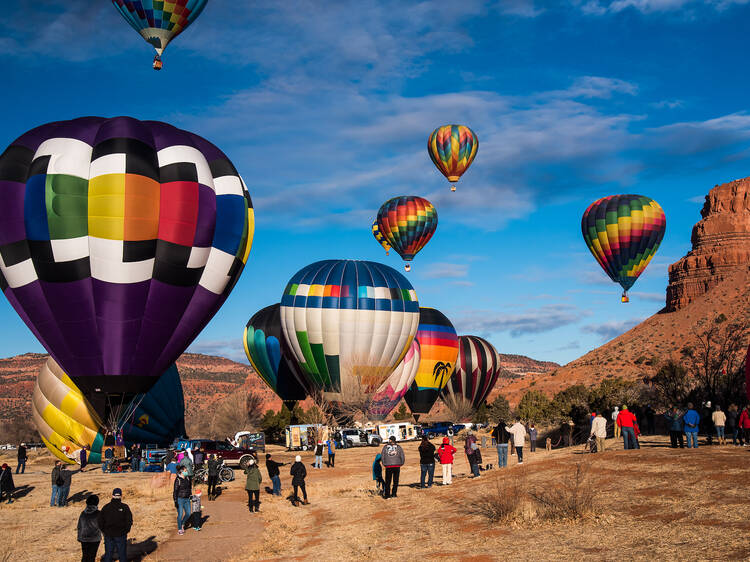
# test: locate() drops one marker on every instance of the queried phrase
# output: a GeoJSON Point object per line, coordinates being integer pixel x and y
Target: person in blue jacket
{"type": "Point", "coordinates": [691, 420]}
{"type": "Point", "coordinates": [331, 452]}
{"type": "Point", "coordinates": [674, 421]}
{"type": "Point", "coordinates": [377, 473]}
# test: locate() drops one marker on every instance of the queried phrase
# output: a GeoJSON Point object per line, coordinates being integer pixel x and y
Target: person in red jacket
{"type": "Point", "coordinates": [627, 422]}
{"type": "Point", "coordinates": [445, 454]}
{"type": "Point", "coordinates": [744, 424]}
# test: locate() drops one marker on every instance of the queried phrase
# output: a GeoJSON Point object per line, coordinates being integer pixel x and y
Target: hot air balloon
{"type": "Point", "coordinates": [475, 374]}
{"type": "Point", "coordinates": [159, 21]}
{"type": "Point", "coordinates": [395, 386]}
{"type": "Point", "coordinates": [349, 324]}
{"type": "Point", "coordinates": [379, 237]}
{"type": "Point", "coordinates": [452, 148]}
{"type": "Point", "coordinates": [623, 233]}
{"type": "Point", "coordinates": [271, 357]}
{"type": "Point", "coordinates": [438, 344]}
{"type": "Point", "coordinates": [407, 223]}
{"type": "Point", "coordinates": [120, 239]}
{"type": "Point", "coordinates": [67, 422]}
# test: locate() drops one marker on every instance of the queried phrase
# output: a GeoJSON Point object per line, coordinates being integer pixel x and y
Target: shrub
{"type": "Point", "coordinates": [572, 498]}
{"type": "Point", "coordinates": [504, 500]}
{"type": "Point", "coordinates": [534, 406]}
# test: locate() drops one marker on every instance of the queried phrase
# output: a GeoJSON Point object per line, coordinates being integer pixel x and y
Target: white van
{"type": "Point", "coordinates": [403, 431]}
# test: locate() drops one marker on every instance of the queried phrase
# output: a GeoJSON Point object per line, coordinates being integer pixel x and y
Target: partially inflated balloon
{"type": "Point", "coordinates": [159, 21]}
{"type": "Point", "coordinates": [452, 148]}
{"type": "Point", "coordinates": [438, 344]}
{"type": "Point", "coordinates": [349, 324]}
{"type": "Point", "coordinates": [271, 357]}
{"type": "Point", "coordinates": [407, 223]}
{"type": "Point", "coordinates": [119, 241]}
{"type": "Point", "coordinates": [476, 372]}
{"type": "Point", "coordinates": [379, 237]}
{"type": "Point", "coordinates": [623, 233]}
{"type": "Point", "coordinates": [393, 389]}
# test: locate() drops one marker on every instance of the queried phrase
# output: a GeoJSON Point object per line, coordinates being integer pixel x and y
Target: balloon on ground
{"type": "Point", "coordinates": [270, 356]}
{"type": "Point", "coordinates": [349, 324]}
{"type": "Point", "coordinates": [395, 386]}
{"type": "Point", "coordinates": [438, 344]}
{"type": "Point", "coordinates": [120, 239]}
{"type": "Point", "coordinates": [407, 223]}
{"type": "Point", "coordinates": [452, 148]}
{"type": "Point", "coordinates": [475, 374]}
{"type": "Point", "coordinates": [623, 233]}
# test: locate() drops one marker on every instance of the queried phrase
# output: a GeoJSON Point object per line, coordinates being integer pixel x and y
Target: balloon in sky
{"type": "Point", "coordinates": [379, 237]}
{"type": "Point", "coordinates": [159, 21]}
{"type": "Point", "coordinates": [349, 324]}
{"type": "Point", "coordinates": [623, 233]}
{"type": "Point", "coordinates": [407, 223]}
{"type": "Point", "coordinates": [395, 386]}
{"type": "Point", "coordinates": [476, 372]}
{"type": "Point", "coordinates": [119, 241]}
{"type": "Point", "coordinates": [67, 421]}
{"type": "Point", "coordinates": [271, 357]}
{"type": "Point", "coordinates": [438, 344]}
{"type": "Point", "coordinates": [452, 148]}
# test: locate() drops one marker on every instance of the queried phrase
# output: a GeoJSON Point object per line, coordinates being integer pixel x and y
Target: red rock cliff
{"type": "Point", "coordinates": [721, 245]}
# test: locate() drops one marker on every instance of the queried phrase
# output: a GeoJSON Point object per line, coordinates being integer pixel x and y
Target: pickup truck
{"type": "Point", "coordinates": [222, 449]}
{"type": "Point", "coordinates": [442, 428]}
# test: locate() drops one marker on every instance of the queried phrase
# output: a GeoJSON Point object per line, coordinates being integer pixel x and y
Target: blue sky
{"type": "Point", "coordinates": [325, 108]}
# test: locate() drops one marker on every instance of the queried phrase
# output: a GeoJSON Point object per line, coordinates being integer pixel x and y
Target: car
{"type": "Point", "coordinates": [442, 428]}
{"type": "Point", "coordinates": [222, 449]}
{"type": "Point", "coordinates": [360, 437]}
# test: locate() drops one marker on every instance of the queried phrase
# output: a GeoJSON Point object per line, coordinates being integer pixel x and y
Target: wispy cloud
{"type": "Point", "coordinates": [610, 330]}
{"type": "Point", "coordinates": [231, 349]}
{"type": "Point", "coordinates": [444, 270]}
{"type": "Point", "coordinates": [601, 7]}
{"type": "Point", "coordinates": [531, 321]}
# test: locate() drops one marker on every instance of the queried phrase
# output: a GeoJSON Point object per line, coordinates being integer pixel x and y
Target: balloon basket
{"type": "Point", "coordinates": [157, 62]}
{"type": "Point", "coordinates": [407, 267]}
{"type": "Point", "coordinates": [453, 187]}
{"type": "Point", "coordinates": [624, 298]}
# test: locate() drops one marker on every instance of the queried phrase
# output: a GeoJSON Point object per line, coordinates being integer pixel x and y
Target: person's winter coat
{"type": "Point", "coordinates": [446, 452]}
{"type": "Point", "coordinates": [6, 481]}
{"type": "Point", "coordinates": [674, 419]}
{"type": "Point", "coordinates": [532, 434]}
{"type": "Point", "coordinates": [84, 457]}
{"type": "Point", "coordinates": [66, 476]}
{"type": "Point", "coordinates": [182, 488]}
{"type": "Point", "coordinates": [692, 420]}
{"type": "Point", "coordinates": [500, 434]}
{"type": "Point", "coordinates": [298, 472]}
{"type": "Point", "coordinates": [55, 475]}
{"type": "Point", "coordinates": [719, 418]}
{"type": "Point", "coordinates": [88, 525]}
{"type": "Point", "coordinates": [518, 431]}
{"type": "Point", "coordinates": [744, 419]}
{"type": "Point", "coordinates": [626, 418]}
{"type": "Point", "coordinates": [393, 455]}
{"type": "Point", "coordinates": [426, 453]}
{"type": "Point", "coordinates": [476, 455]}
{"type": "Point", "coordinates": [599, 427]}
{"type": "Point", "coordinates": [273, 467]}
{"type": "Point", "coordinates": [21, 453]}
{"type": "Point", "coordinates": [319, 450]}
{"type": "Point", "coordinates": [115, 519]}
{"type": "Point", "coordinates": [331, 447]}
{"type": "Point", "coordinates": [214, 465]}
{"type": "Point", "coordinates": [188, 464]}
{"type": "Point", "coordinates": [198, 457]}
{"type": "Point", "coordinates": [468, 449]}
{"type": "Point", "coordinates": [377, 468]}
{"type": "Point", "coordinates": [254, 477]}
{"type": "Point", "coordinates": [731, 419]}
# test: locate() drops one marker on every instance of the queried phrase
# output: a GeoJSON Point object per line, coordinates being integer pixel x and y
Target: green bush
{"type": "Point", "coordinates": [534, 406]}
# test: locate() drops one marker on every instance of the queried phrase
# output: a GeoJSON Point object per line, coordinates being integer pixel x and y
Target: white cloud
{"type": "Point", "coordinates": [231, 349]}
{"type": "Point", "coordinates": [601, 7]}
{"type": "Point", "coordinates": [444, 270]}
{"type": "Point", "coordinates": [531, 321]}
{"type": "Point", "coordinates": [612, 329]}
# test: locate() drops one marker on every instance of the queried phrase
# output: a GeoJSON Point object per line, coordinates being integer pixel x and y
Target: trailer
{"type": "Point", "coordinates": [403, 431]}
{"type": "Point", "coordinates": [305, 436]}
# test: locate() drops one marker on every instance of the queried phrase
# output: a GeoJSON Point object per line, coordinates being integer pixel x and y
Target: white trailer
{"type": "Point", "coordinates": [403, 431]}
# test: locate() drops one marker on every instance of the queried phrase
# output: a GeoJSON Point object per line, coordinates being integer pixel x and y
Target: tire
{"type": "Point", "coordinates": [304, 447]}
{"type": "Point", "coordinates": [349, 443]}
{"type": "Point", "coordinates": [201, 476]}
{"type": "Point", "coordinates": [376, 441]}
{"type": "Point", "coordinates": [450, 433]}
{"type": "Point", "coordinates": [244, 460]}
{"type": "Point", "coordinates": [226, 474]}
{"type": "Point", "coordinates": [430, 436]}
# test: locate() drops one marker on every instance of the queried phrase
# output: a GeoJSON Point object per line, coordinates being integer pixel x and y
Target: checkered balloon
{"type": "Point", "coordinates": [119, 241]}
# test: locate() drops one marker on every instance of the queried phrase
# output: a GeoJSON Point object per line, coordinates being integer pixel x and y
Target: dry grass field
{"type": "Point", "coordinates": [653, 503]}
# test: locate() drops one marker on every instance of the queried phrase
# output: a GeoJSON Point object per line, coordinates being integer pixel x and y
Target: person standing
{"type": "Point", "coordinates": [731, 423]}
{"type": "Point", "coordinates": [445, 455]}
{"type": "Point", "coordinates": [212, 472]}
{"type": "Point", "coordinates": [501, 437]}
{"type": "Point", "coordinates": [318, 463]}
{"type": "Point", "coordinates": [650, 420]}
{"type": "Point", "coordinates": [274, 473]}
{"type": "Point", "coordinates": [22, 456]}
{"type": "Point", "coordinates": [426, 462]}
{"type": "Point", "coordinates": [691, 421]}
{"type": "Point", "coordinates": [471, 440]}
{"type": "Point", "coordinates": [518, 432]}
{"type": "Point", "coordinates": [199, 457]}
{"type": "Point", "coordinates": [135, 457]}
{"type": "Point", "coordinates": [615, 413]}
{"type": "Point", "coordinates": [744, 425]}
{"type": "Point", "coordinates": [56, 483]}
{"type": "Point", "coordinates": [83, 458]}
{"type": "Point", "coordinates": [626, 421]}
{"type": "Point", "coordinates": [599, 431]}
{"type": "Point", "coordinates": [674, 423]}
{"type": "Point", "coordinates": [331, 452]}
{"type": "Point", "coordinates": [298, 472]}
{"type": "Point", "coordinates": [719, 418]}
{"type": "Point", "coordinates": [252, 485]}
{"type": "Point", "coordinates": [115, 520]}
{"type": "Point", "coordinates": [109, 454]}
{"type": "Point", "coordinates": [66, 476]}
{"type": "Point", "coordinates": [89, 534]}
{"type": "Point", "coordinates": [393, 459]}
{"type": "Point", "coordinates": [181, 492]}
{"type": "Point", "coordinates": [186, 464]}
{"type": "Point", "coordinates": [532, 438]}
{"type": "Point", "coordinates": [6, 483]}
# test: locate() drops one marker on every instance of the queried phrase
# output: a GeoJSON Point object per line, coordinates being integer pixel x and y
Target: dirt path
{"type": "Point", "coordinates": [228, 528]}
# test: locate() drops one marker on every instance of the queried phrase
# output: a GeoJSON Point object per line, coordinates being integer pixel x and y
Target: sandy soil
{"type": "Point", "coordinates": [655, 503]}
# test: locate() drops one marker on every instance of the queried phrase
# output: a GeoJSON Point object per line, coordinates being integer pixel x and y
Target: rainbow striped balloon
{"type": "Point", "coordinates": [623, 233]}
{"type": "Point", "coordinates": [407, 223]}
{"type": "Point", "coordinates": [452, 148]}
{"type": "Point", "coordinates": [379, 237]}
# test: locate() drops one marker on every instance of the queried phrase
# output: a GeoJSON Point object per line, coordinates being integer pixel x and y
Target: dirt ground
{"type": "Point", "coordinates": [652, 503]}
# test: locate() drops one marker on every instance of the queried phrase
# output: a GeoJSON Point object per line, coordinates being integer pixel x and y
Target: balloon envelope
{"type": "Point", "coordinates": [475, 375]}
{"type": "Point", "coordinates": [379, 237]}
{"type": "Point", "coordinates": [395, 386]}
{"type": "Point", "coordinates": [271, 357]}
{"type": "Point", "coordinates": [407, 223]}
{"type": "Point", "coordinates": [438, 344]}
{"type": "Point", "coordinates": [452, 148]}
{"type": "Point", "coordinates": [120, 239]}
{"type": "Point", "coordinates": [623, 233]}
{"type": "Point", "coordinates": [348, 323]}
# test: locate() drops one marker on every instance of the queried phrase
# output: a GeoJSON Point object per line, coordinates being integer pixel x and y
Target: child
{"type": "Point", "coordinates": [331, 452]}
{"type": "Point", "coordinates": [445, 454]}
{"type": "Point", "coordinates": [532, 438]}
{"type": "Point", "coordinates": [377, 474]}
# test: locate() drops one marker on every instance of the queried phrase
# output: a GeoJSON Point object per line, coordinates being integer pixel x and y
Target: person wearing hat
{"type": "Point", "coordinates": [89, 534]}
{"type": "Point", "coordinates": [445, 455]}
{"type": "Point", "coordinates": [393, 459]}
{"type": "Point", "coordinates": [252, 485]}
{"type": "Point", "coordinates": [274, 473]}
{"type": "Point", "coordinates": [298, 472]}
{"type": "Point", "coordinates": [115, 520]}
{"type": "Point", "coordinates": [626, 421]}
{"type": "Point", "coordinates": [6, 483]}
{"type": "Point", "coordinates": [21, 458]}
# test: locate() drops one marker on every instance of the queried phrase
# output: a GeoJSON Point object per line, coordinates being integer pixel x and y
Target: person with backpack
{"type": "Point", "coordinates": [298, 472]}
{"type": "Point", "coordinates": [22, 456]}
{"type": "Point", "coordinates": [469, 449]}
{"type": "Point", "coordinates": [89, 534]}
{"type": "Point", "coordinates": [445, 456]}
{"type": "Point", "coordinates": [426, 462]}
{"type": "Point", "coordinates": [393, 459]}
{"type": "Point", "coordinates": [115, 521]}
{"type": "Point", "coordinates": [252, 485]}
{"type": "Point", "coordinates": [501, 437]}
{"type": "Point", "coordinates": [6, 483]}
{"type": "Point", "coordinates": [181, 492]}
{"type": "Point", "coordinates": [691, 421]}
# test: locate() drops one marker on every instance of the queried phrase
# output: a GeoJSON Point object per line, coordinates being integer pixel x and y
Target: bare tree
{"type": "Point", "coordinates": [671, 384]}
{"type": "Point", "coordinates": [460, 408]}
{"type": "Point", "coordinates": [242, 410]}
